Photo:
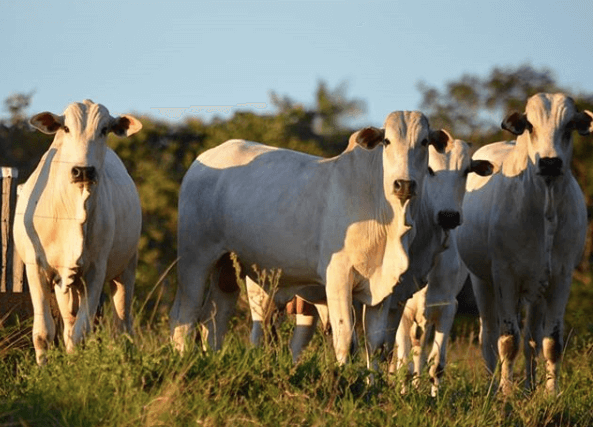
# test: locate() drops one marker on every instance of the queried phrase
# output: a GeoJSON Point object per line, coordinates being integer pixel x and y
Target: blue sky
{"type": "Point", "coordinates": [135, 56]}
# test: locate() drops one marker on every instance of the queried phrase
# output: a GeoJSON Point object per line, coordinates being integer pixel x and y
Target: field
{"type": "Point", "coordinates": [141, 381]}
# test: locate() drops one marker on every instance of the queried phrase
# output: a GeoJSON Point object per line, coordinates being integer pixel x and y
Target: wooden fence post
{"type": "Point", "coordinates": [14, 295]}
{"type": "Point", "coordinates": [9, 177]}
{"type": "Point", "coordinates": [19, 280]}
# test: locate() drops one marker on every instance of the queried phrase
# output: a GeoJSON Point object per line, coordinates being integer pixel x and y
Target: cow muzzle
{"type": "Point", "coordinates": [404, 189]}
{"type": "Point", "coordinates": [84, 174]}
{"type": "Point", "coordinates": [448, 220]}
{"type": "Point", "coordinates": [549, 168]}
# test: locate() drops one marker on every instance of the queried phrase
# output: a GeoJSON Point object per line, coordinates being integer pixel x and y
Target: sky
{"type": "Point", "coordinates": [137, 57]}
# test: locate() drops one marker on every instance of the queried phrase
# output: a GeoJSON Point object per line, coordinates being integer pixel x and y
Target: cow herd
{"type": "Point", "coordinates": [393, 226]}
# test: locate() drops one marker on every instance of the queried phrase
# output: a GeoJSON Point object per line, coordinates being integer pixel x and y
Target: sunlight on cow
{"type": "Point", "coordinates": [337, 226]}
{"type": "Point", "coordinates": [77, 223]}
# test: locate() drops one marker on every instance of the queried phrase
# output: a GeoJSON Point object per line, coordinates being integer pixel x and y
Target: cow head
{"type": "Point", "coordinates": [81, 134]}
{"type": "Point", "coordinates": [405, 139]}
{"type": "Point", "coordinates": [444, 187]}
{"type": "Point", "coordinates": [405, 152]}
{"type": "Point", "coordinates": [544, 131]}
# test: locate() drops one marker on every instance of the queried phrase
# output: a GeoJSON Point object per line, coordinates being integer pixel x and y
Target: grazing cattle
{"type": "Point", "coordinates": [77, 223]}
{"type": "Point", "coordinates": [433, 260]}
{"type": "Point", "coordinates": [338, 227]}
{"type": "Point", "coordinates": [523, 234]}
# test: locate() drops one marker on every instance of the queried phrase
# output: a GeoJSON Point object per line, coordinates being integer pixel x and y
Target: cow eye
{"type": "Point", "coordinates": [104, 131]}
{"type": "Point", "coordinates": [66, 129]}
{"type": "Point", "coordinates": [424, 142]}
{"type": "Point", "coordinates": [430, 171]}
{"type": "Point", "coordinates": [386, 141]}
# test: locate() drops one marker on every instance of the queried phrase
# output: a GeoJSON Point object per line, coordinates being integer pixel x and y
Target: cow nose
{"type": "Point", "coordinates": [550, 166]}
{"type": "Point", "coordinates": [404, 189]}
{"type": "Point", "coordinates": [449, 219]}
{"type": "Point", "coordinates": [83, 174]}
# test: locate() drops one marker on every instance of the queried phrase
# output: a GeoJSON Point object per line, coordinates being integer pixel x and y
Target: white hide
{"type": "Point", "coordinates": [75, 235]}
{"type": "Point", "coordinates": [332, 226]}
{"type": "Point", "coordinates": [523, 235]}
{"type": "Point", "coordinates": [433, 261]}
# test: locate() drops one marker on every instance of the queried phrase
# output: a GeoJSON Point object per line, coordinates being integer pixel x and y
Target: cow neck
{"type": "Point", "coordinates": [70, 205]}
{"type": "Point", "coordinates": [543, 197]}
{"type": "Point", "coordinates": [391, 224]}
{"type": "Point", "coordinates": [427, 229]}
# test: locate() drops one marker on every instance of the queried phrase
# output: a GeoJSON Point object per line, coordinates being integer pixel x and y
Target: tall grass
{"type": "Point", "coordinates": [141, 381]}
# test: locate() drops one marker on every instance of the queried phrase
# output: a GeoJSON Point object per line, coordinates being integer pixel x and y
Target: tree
{"type": "Point", "coordinates": [333, 108]}
{"type": "Point", "coordinates": [17, 105]}
{"type": "Point", "coordinates": [473, 107]}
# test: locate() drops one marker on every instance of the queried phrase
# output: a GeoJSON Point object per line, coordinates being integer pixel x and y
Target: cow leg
{"type": "Point", "coordinates": [306, 321]}
{"type": "Point", "coordinates": [89, 296]}
{"type": "Point", "coordinates": [437, 359]}
{"type": "Point", "coordinates": [375, 325]}
{"type": "Point", "coordinates": [393, 335]}
{"type": "Point", "coordinates": [403, 346]}
{"type": "Point", "coordinates": [122, 292]}
{"type": "Point", "coordinates": [553, 341]}
{"type": "Point", "coordinates": [507, 301]}
{"type": "Point", "coordinates": [193, 278]}
{"type": "Point", "coordinates": [68, 303]}
{"type": "Point", "coordinates": [224, 292]}
{"type": "Point", "coordinates": [259, 305]}
{"type": "Point", "coordinates": [419, 333]}
{"type": "Point", "coordinates": [445, 281]}
{"type": "Point", "coordinates": [339, 281]}
{"type": "Point", "coordinates": [323, 315]}
{"type": "Point", "coordinates": [44, 329]}
{"type": "Point", "coordinates": [422, 334]}
{"type": "Point", "coordinates": [484, 293]}
{"type": "Point", "coordinates": [532, 341]}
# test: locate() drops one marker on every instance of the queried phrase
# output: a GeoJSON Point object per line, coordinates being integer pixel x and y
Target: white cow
{"type": "Point", "coordinates": [433, 260]}
{"type": "Point", "coordinates": [523, 235]}
{"type": "Point", "coordinates": [337, 227]}
{"type": "Point", "coordinates": [77, 223]}
{"type": "Point", "coordinates": [438, 212]}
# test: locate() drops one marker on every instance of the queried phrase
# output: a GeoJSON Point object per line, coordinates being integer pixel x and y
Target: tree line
{"type": "Point", "coordinates": [470, 108]}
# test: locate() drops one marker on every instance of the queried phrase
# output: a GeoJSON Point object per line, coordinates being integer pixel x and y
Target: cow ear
{"type": "Point", "coordinates": [515, 123]}
{"type": "Point", "coordinates": [369, 137]}
{"type": "Point", "coordinates": [481, 167]}
{"type": "Point", "coordinates": [441, 140]}
{"type": "Point", "coordinates": [47, 122]}
{"type": "Point", "coordinates": [584, 122]}
{"type": "Point", "coordinates": [125, 125]}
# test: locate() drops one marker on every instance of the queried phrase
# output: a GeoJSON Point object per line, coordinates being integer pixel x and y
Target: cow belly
{"type": "Point", "coordinates": [293, 267]}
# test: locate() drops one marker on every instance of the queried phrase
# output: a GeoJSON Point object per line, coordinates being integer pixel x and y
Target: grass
{"type": "Point", "coordinates": [141, 381]}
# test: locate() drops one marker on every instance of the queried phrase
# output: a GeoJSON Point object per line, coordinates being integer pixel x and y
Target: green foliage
{"type": "Point", "coordinates": [473, 107]}
{"type": "Point", "coordinates": [16, 105]}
